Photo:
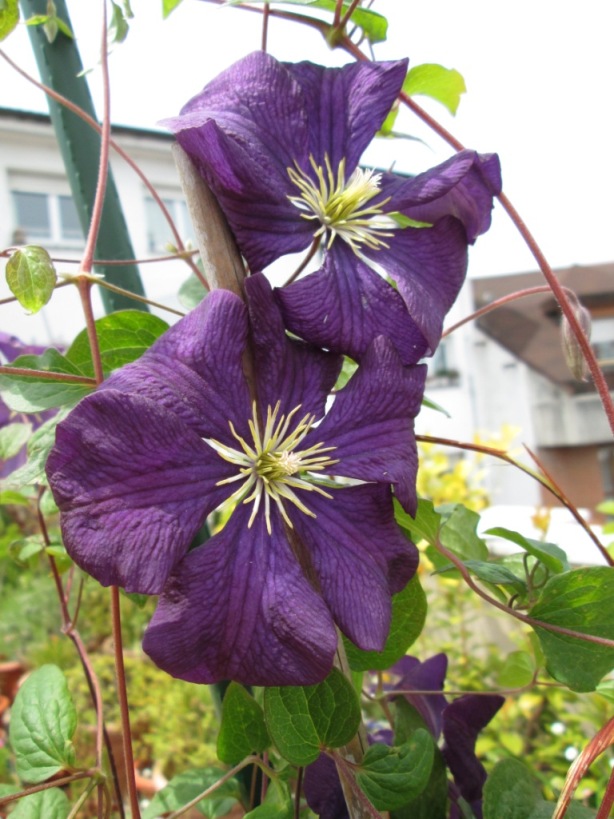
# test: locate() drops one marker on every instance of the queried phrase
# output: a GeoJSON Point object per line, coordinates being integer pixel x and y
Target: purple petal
{"type": "Point", "coordinates": [243, 131]}
{"type": "Point", "coordinates": [371, 423]}
{"type": "Point", "coordinates": [360, 557]}
{"type": "Point", "coordinates": [195, 369]}
{"type": "Point", "coordinates": [240, 608]}
{"type": "Point", "coordinates": [346, 106]}
{"type": "Point", "coordinates": [424, 676]}
{"type": "Point", "coordinates": [323, 791]}
{"type": "Point", "coordinates": [462, 722]}
{"type": "Point", "coordinates": [429, 266]}
{"type": "Point", "coordinates": [346, 305]}
{"type": "Point", "coordinates": [288, 371]}
{"type": "Point", "coordinates": [134, 484]}
{"type": "Point", "coordinates": [252, 194]}
{"type": "Point", "coordinates": [463, 187]}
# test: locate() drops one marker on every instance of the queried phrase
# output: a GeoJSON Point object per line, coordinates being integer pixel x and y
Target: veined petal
{"type": "Point", "coordinates": [371, 422]}
{"type": "Point", "coordinates": [346, 106]}
{"type": "Point", "coordinates": [462, 186]}
{"type": "Point", "coordinates": [289, 371]}
{"type": "Point", "coordinates": [345, 305]}
{"type": "Point", "coordinates": [252, 192]}
{"type": "Point", "coordinates": [239, 607]}
{"type": "Point", "coordinates": [429, 267]}
{"type": "Point", "coordinates": [134, 484]}
{"type": "Point", "coordinates": [360, 557]}
{"type": "Point", "coordinates": [195, 368]}
{"type": "Point", "coordinates": [429, 675]}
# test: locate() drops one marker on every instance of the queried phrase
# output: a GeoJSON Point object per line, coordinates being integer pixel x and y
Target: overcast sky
{"type": "Point", "coordinates": [539, 77]}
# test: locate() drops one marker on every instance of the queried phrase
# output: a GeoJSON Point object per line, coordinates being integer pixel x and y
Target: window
{"type": "Point", "coordinates": [44, 212]}
{"type": "Point", "coordinates": [602, 341]}
{"type": "Point", "coordinates": [441, 366]}
{"type": "Point", "coordinates": [159, 234]}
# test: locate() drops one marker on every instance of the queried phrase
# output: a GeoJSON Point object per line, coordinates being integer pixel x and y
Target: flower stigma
{"type": "Point", "coordinates": [273, 466]}
{"type": "Point", "coordinates": [341, 206]}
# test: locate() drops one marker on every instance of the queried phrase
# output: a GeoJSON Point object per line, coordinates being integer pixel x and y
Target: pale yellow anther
{"type": "Point", "coordinates": [273, 466]}
{"type": "Point", "coordinates": [341, 206]}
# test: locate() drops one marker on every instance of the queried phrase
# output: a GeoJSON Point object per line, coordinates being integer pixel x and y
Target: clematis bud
{"type": "Point", "coordinates": [571, 348]}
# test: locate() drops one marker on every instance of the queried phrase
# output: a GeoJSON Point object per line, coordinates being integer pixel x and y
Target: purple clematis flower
{"type": "Point", "coordinates": [280, 143]}
{"type": "Point", "coordinates": [460, 722]}
{"type": "Point", "coordinates": [139, 465]}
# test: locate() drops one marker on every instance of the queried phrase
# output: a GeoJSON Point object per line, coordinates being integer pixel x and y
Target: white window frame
{"type": "Point", "coordinates": [53, 188]}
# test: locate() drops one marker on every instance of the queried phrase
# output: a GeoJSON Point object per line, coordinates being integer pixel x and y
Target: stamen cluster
{"type": "Point", "coordinates": [339, 205]}
{"type": "Point", "coordinates": [273, 466]}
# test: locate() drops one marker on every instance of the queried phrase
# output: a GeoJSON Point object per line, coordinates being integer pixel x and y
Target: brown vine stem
{"type": "Point", "coordinates": [519, 294]}
{"type": "Point", "coordinates": [122, 693]}
{"type": "Point", "coordinates": [120, 151]}
{"type": "Point", "coordinates": [545, 480]}
{"type": "Point", "coordinates": [249, 760]}
{"type": "Point", "coordinates": [68, 377]}
{"type": "Point", "coordinates": [70, 630]}
{"type": "Point", "coordinates": [55, 783]}
{"type": "Point", "coordinates": [309, 256]}
{"type": "Point", "coordinates": [525, 618]}
{"type": "Point", "coordinates": [265, 26]}
{"type": "Point", "coordinates": [570, 506]}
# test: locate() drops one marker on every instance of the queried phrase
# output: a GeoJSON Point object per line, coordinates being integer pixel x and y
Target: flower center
{"type": "Point", "coordinates": [342, 206]}
{"type": "Point", "coordinates": [273, 465]}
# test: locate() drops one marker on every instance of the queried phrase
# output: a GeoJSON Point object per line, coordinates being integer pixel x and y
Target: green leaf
{"type": "Point", "coordinates": [187, 786]}
{"type": "Point", "coordinates": [303, 719]}
{"type": "Point", "coordinates": [510, 792]}
{"type": "Point", "coordinates": [408, 615]}
{"type": "Point", "coordinates": [458, 534]}
{"type": "Point", "coordinates": [553, 557]}
{"type": "Point", "coordinates": [32, 394]}
{"type": "Point", "coordinates": [43, 722]}
{"type": "Point", "coordinates": [391, 777]}
{"type": "Point", "coordinates": [242, 730]}
{"type": "Point", "coordinates": [582, 600]}
{"type": "Point", "coordinates": [9, 17]}
{"type": "Point", "coordinates": [123, 337]}
{"type": "Point", "coordinates": [12, 438]}
{"type": "Point", "coordinates": [168, 6]}
{"type": "Point", "coordinates": [442, 84]}
{"type": "Point", "coordinates": [425, 526]}
{"type": "Point", "coordinates": [11, 498]}
{"type": "Point", "coordinates": [39, 445]}
{"type": "Point", "coordinates": [31, 277]}
{"type": "Point", "coordinates": [491, 573]}
{"type": "Point", "coordinates": [518, 670]}
{"type": "Point", "coordinates": [118, 25]}
{"type": "Point", "coordinates": [277, 803]}
{"type": "Point", "coordinates": [191, 292]}
{"type": "Point", "coordinates": [48, 804]}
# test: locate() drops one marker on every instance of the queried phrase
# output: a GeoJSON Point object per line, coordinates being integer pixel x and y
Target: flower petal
{"type": "Point", "coordinates": [345, 305]}
{"type": "Point", "coordinates": [346, 106]}
{"type": "Point", "coordinates": [134, 484]}
{"type": "Point", "coordinates": [240, 608]}
{"type": "Point", "coordinates": [243, 131]}
{"type": "Point", "coordinates": [360, 557]}
{"type": "Point", "coordinates": [429, 266]}
{"type": "Point", "coordinates": [429, 675]}
{"type": "Point", "coordinates": [462, 186]}
{"type": "Point", "coordinates": [195, 369]}
{"type": "Point", "coordinates": [371, 423]}
{"type": "Point", "coordinates": [463, 720]}
{"type": "Point", "coordinates": [288, 371]}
